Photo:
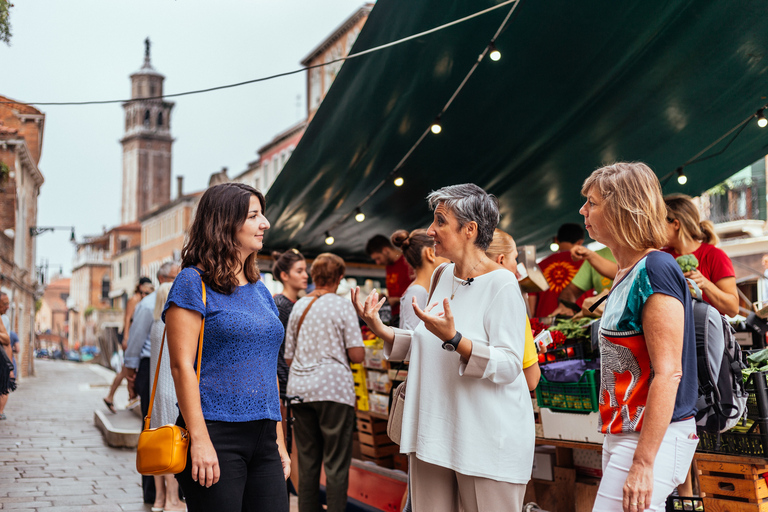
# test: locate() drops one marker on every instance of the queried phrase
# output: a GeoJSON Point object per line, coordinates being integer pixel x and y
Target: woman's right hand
{"type": "Point", "coordinates": [369, 310]}
{"type": "Point", "coordinates": [205, 463]}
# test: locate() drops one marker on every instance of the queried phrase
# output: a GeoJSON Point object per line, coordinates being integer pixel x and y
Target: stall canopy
{"type": "Point", "coordinates": [578, 84]}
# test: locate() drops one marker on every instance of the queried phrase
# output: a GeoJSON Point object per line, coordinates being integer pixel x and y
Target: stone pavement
{"type": "Point", "coordinates": [52, 457]}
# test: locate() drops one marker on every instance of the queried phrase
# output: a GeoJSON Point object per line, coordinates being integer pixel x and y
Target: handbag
{"type": "Point", "coordinates": [395, 420]}
{"type": "Point", "coordinates": [163, 450]}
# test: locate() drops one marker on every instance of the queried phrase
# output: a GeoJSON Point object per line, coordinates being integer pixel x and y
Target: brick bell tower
{"type": "Point", "coordinates": [146, 144]}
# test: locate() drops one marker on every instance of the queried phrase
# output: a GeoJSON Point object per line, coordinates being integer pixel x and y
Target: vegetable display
{"type": "Point", "coordinates": [687, 262]}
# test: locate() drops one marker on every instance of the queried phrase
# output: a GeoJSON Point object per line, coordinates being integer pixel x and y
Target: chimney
{"type": "Point", "coordinates": [180, 185]}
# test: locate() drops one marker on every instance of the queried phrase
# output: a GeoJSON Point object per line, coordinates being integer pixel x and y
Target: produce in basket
{"type": "Point", "coordinates": [573, 329]}
{"type": "Point", "coordinates": [687, 262]}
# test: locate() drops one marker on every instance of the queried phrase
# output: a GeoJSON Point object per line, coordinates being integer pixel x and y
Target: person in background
{"type": "Point", "coordinates": [322, 338]}
{"type": "Point", "coordinates": [290, 268]}
{"type": "Point", "coordinates": [503, 250]}
{"type": "Point", "coordinates": [418, 248]}
{"type": "Point", "coordinates": [5, 304]}
{"type": "Point", "coordinates": [138, 352]}
{"type": "Point", "coordinates": [467, 422]}
{"type": "Point", "coordinates": [164, 411]}
{"type": "Point", "coordinates": [14, 351]}
{"type": "Point", "coordinates": [398, 272]}
{"type": "Point", "coordinates": [596, 273]}
{"type": "Point", "coordinates": [144, 288]}
{"type": "Point", "coordinates": [237, 458]}
{"type": "Point", "coordinates": [559, 270]}
{"type": "Point", "coordinates": [687, 234]}
{"type": "Point", "coordinates": [647, 330]}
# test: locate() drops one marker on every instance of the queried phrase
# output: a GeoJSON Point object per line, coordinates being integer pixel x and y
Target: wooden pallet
{"type": "Point", "coordinates": [733, 487]}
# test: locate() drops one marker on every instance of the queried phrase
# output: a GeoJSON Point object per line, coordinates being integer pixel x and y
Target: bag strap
{"type": "Point", "coordinates": [435, 280]}
{"type": "Point", "coordinates": [304, 314]}
{"type": "Point", "coordinates": [160, 358]}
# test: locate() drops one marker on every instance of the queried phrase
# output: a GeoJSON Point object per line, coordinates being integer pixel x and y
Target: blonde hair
{"type": "Point", "coordinates": [160, 298]}
{"type": "Point", "coordinates": [502, 243]}
{"type": "Point", "coordinates": [634, 206]}
{"type": "Point", "coordinates": [681, 208]}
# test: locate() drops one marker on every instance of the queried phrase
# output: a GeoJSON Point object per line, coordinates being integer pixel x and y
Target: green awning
{"type": "Point", "coordinates": [579, 84]}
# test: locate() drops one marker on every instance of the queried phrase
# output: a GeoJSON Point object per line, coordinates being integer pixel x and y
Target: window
{"type": "Point", "coordinates": [159, 119]}
{"type": "Point", "coordinates": [146, 118]}
{"type": "Point", "coordinates": [105, 287]}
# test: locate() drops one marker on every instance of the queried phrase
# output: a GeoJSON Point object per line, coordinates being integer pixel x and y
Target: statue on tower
{"type": "Point", "coordinates": [146, 48]}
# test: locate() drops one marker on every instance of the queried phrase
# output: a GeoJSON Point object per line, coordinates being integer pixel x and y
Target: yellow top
{"type": "Point", "coordinates": [529, 356]}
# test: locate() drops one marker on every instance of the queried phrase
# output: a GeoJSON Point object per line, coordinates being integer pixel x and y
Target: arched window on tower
{"type": "Point", "coordinates": [160, 119]}
{"type": "Point", "coordinates": [146, 118]}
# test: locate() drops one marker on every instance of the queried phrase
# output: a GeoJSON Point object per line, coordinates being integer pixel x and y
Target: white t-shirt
{"type": "Point", "coordinates": [320, 368]}
{"type": "Point", "coordinates": [408, 319]}
{"type": "Point", "coordinates": [473, 418]}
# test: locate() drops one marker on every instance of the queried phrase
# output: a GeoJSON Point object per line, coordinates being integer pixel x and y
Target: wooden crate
{"type": "Point", "coordinates": [374, 439]}
{"type": "Point", "coordinates": [733, 487]}
{"type": "Point", "coordinates": [370, 425]}
{"type": "Point", "coordinates": [384, 462]}
{"type": "Point", "coordinates": [380, 451]}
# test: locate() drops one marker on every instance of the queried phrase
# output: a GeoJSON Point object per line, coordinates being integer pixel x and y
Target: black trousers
{"type": "Point", "coordinates": [144, 388]}
{"type": "Point", "coordinates": [251, 470]}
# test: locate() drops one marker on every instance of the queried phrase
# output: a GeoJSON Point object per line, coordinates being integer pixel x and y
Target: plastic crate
{"type": "Point", "coordinates": [733, 443]}
{"type": "Point", "coordinates": [753, 408]}
{"type": "Point", "coordinates": [563, 353]}
{"type": "Point", "coordinates": [579, 396]}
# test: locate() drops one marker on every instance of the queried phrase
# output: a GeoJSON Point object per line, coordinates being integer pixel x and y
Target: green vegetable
{"type": "Point", "coordinates": [573, 328]}
{"type": "Point", "coordinates": [687, 262]}
{"type": "Point", "coordinates": [758, 358]}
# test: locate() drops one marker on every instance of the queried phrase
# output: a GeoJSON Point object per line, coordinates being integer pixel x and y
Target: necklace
{"type": "Point", "coordinates": [464, 282]}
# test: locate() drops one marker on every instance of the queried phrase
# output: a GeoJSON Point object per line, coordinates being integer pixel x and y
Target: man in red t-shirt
{"type": "Point", "coordinates": [399, 272]}
{"type": "Point", "coordinates": [558, 269]}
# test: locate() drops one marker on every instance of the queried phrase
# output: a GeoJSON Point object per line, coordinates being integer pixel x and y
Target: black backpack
{"type": "Point", "coordinates": [722, 398]}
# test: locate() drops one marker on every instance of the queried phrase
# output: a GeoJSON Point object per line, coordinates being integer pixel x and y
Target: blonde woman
{"type": "Point", "coordinates": [687, 234]}
{"type": "Point", "coordinates": [647, 332]}
{"type": "Point", "coordinates": [164, 410]}
{"type": "Point", "coordinates": [503, 250]}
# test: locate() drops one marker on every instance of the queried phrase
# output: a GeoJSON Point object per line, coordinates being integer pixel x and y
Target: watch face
{"type": "Point", "coordinates": [449, 347]}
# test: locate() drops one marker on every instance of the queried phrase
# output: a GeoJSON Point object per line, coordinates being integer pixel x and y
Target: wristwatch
{"type": "Point", "coordinates": [452, 344]}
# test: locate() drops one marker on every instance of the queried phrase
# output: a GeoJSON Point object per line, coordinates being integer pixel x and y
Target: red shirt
{"type": "Point", "coordinates": [559, 270]}
{"type": "Point", "coordinates": [714, 264]}
{"type": "Point", "coordinates": [398, 279]}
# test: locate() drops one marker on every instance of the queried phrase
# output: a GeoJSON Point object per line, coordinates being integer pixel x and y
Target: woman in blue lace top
{"type": "Point", "coordinates": [237, 458]}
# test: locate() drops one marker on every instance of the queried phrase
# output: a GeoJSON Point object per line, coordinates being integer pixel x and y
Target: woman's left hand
{"type": "Point", "coordinates": [638, 488]}
{"type": "Point", "coordinates": [286, 460]}
{"type": "Point", "coordinates": [441, 325]}
{"type": "Point", "coordinates": [702, 282]}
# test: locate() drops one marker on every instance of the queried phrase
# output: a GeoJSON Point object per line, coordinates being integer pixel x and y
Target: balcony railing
{"type": "Point", "coordinates": [88, 255]}
{"type": "Point", "coordinates": [732, 201]}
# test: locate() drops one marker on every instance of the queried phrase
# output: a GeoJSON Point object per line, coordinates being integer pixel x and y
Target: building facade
{"type": "Point", "coordinates": [21, 140]}
{"type": "Point", "coordinates": [261, 173]}
{"type": "Point", "coordinates": [52, 319]}
{"type": "Point", "coordinates": [146, 144]}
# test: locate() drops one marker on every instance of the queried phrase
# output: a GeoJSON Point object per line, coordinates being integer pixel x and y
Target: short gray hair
{"type": "Point", "coordinates": [166, 269]}
{"type": "Point", "coordinates": [469, 203]}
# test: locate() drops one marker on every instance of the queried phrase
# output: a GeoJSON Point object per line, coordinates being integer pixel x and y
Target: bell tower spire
{"type": "Point", "coordinates": [146, 144]}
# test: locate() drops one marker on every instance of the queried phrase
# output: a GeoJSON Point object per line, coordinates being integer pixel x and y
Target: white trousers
{"type": "Point", "coordinates": [669, 469]}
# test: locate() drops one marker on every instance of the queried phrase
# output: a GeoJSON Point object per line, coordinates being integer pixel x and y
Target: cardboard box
{"type": "Point", "coordinates": [544, 463]}
{"type": "Point", "coordinates": [571, 426]}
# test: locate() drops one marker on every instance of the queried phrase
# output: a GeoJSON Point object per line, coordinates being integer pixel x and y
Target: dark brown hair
{"type": "Point", "coordinates": [412, 245]}
{"type": "Point", "coordinates": [284, 262]}
{"type": "Point", "coordinates": [327, 269]}
{"type": "Point", "coordinates": [212, 243]}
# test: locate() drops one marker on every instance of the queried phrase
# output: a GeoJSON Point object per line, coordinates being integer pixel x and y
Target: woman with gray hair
{"type": "Point", "coordinates": [467, 423]}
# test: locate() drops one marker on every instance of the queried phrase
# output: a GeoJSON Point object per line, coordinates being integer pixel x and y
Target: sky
{"type": "Point", "coordinates": [85, 50]}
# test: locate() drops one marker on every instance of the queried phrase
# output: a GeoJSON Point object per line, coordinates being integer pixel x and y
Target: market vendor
{"type": "Point", "coordinates": [687, 234]}
{"type": "Point", "coordinates": [467, 423]}
{"type": "Point", "coordinates": [398, 273]}
{"type": "Point", "coordinates": [646, 332]}
{"type": "Point", "coordinates": [596, 273]}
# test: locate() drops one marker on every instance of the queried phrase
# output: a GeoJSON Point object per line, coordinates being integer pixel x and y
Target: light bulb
{"type": "Point", "coordinates": [554, 247]}
{"type": "Point", "coordinates": [762, 122]}
{"type": "Point", "coordinates": [399, 181]}
{"type": "Point", "coordinates": [494, 54]}
{"type": "Point", "coordinates": [681, 177]}
{"type": "Point", "coordinates": [329, 239]}
{"type": "Point", "coordinates": [436, 128]}
{"type": "Point", "coordinates": [359, 216]}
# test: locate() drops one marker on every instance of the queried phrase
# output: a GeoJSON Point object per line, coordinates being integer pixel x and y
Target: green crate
{"type": "Point", "coordinates": [579, 396]}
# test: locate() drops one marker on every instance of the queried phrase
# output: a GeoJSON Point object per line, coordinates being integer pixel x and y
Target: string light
{"type": "Point", "coordinates": [328, 238]}
{"type": "Point", "coordinates": [762, 122]}
{"type": "Point", "coordinates": [681, 177]}
{"type": "Point", "coordinates": [494, 53]}
{"type": "Point", "coordinates": [554, 247]}
{"type": "Point", "coordinates": [359, 215]}
{"type": "Point", "coordinates": [398, 180]}
{"type": "Point", "coordinates": [436, 126]}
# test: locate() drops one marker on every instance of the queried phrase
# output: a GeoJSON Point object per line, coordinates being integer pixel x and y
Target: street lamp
{"type": "Point", "coordinates": [38, 230]}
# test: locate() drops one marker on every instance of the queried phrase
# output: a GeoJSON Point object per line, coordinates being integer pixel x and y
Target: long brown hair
{"type": "Point", "coordinates": [681, 208]}
{"type": "Point", "coordinates": [212, 243]}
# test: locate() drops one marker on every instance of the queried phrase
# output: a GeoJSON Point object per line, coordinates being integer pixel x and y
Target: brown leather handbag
{"type": "Point", "coordinates": [163, 450]}
{"type": "Point", "coordinates": [395, 421]}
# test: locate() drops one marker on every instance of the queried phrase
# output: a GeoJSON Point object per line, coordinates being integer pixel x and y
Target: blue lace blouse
{"type": "Point", "coordinates": [243, 334]}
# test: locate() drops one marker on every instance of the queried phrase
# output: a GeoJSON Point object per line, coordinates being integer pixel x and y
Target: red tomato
{"type": "Point", "coordinates": [542, 358]}
{"type": "Point", "coordinates": [569, 351]}
{"type": "Point", "coordinates": [551, 357]}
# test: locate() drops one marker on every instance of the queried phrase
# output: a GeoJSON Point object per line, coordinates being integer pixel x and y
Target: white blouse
{"type": "Point", "coordinates": [475, 418]}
